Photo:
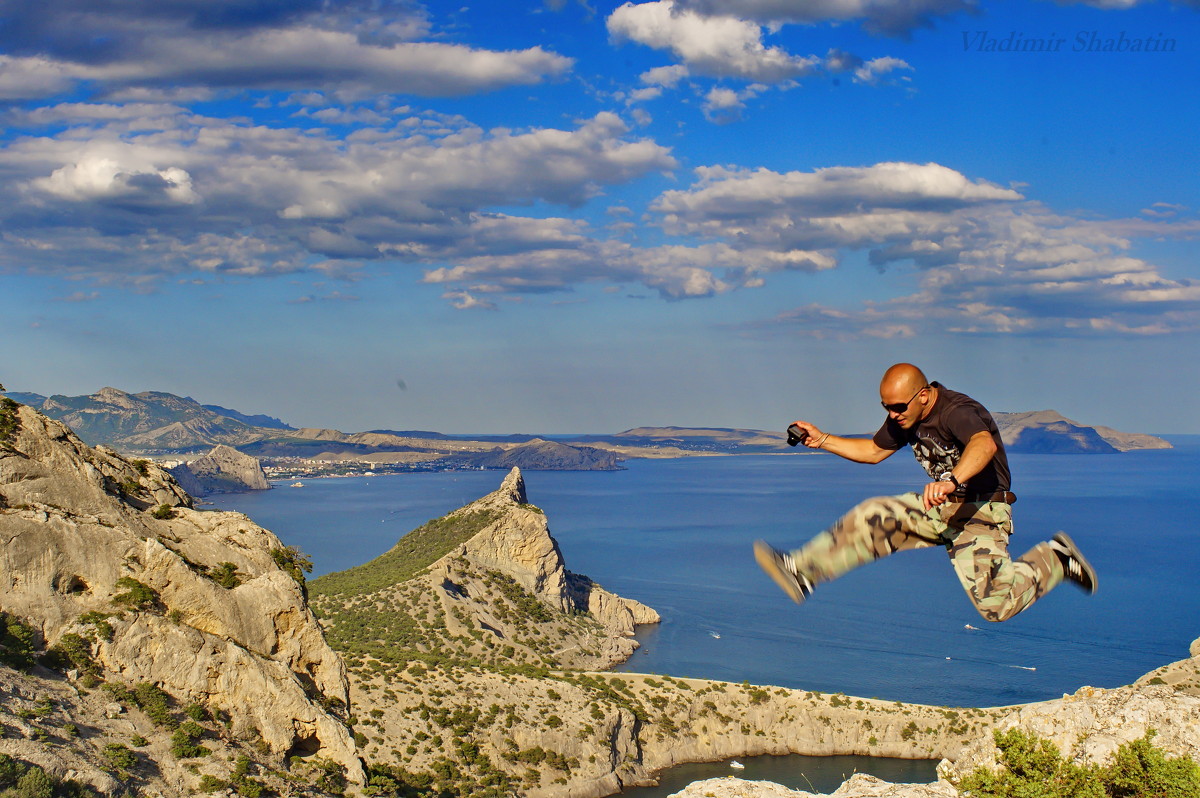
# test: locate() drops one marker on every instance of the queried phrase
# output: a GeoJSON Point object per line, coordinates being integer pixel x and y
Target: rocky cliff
{"type": "Point", "coordinates": [1050, 432]}
{"type": "Point", "coordinates": [112, 571]}
{"type": "Point", "coordinates": [1087, 727]}
{"type": "Point", "coordinates": [222, 470]}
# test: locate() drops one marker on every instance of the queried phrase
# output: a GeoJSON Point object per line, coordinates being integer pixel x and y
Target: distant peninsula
{"type": "Point", "coordinates": [171, 429]}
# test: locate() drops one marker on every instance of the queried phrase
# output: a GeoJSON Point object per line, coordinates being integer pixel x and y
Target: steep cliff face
{"type": "Point", "coordinates": [518, 542]}
{"type": "Point", "coordinates": [1087, 727]}
{"type": "Point", "coordinates": [195, 602]}
{"type": "Point", "coordinates": [222, 470]}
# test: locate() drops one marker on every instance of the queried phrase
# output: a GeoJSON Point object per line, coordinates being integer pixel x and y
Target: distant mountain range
{"type": "Point", "coordinates": [155, 422]}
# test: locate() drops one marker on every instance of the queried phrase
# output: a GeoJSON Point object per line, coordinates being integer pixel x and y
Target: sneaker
{"type": "Point", "coordinates": [1076, 567]}
{"type": "Point", "coordinates": [782, 568]}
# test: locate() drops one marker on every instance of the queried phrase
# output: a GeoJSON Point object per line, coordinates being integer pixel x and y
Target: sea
{"type": "Point", "coordinates": [676, 535]}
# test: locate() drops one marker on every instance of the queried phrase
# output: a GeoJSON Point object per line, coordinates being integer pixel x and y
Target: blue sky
{"type": "Point", "coordinates": [582, 216]}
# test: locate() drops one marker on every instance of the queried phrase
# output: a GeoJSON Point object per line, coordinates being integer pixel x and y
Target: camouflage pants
{"type": "Point", "coordinates": [974, 533]}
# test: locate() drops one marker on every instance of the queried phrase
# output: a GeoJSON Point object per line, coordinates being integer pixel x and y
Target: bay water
{"type": "Point", "coordinates": [677, 535]}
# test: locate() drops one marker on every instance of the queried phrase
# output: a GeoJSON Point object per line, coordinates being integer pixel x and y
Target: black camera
{"type": "Point", "coordinates": [796, 435]}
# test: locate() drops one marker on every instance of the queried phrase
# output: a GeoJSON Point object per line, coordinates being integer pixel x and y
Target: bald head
{"type": "Point", "coordinates": [902, 378]}
{"type": "Point", "coordinates": [904, 385]}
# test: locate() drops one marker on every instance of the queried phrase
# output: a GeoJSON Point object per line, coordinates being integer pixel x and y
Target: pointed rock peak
{"type": "Point", "coordinates": [514, 486]}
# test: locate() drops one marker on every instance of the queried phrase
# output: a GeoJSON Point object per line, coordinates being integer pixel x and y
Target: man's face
{"type": "Point", "coordinates": [914, 402]}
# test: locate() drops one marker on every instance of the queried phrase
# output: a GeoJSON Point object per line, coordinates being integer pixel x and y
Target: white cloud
{"type": "Point", "coordinates": [174, 192]}
{"type": "Point", "coordinates": [464, 300]}
{"type": "Point", "coordinates": [723, 105]}
{"type": "Point", "coordinates": [291, 47]}
{"type": "Point", "coordinates": [715, 46]}
{"type": "Point", "coordinates": [836, 206]}
{"type": "Point", "coordinates": [989, 261]}
{"type": "Point", "coordinates": [665, 76]}
{"type": "Point", "coordinates": [872, 71]}
{"type": "Point", "coordinates": [30, 78]}
{"type": "Point", "coordinates": [894, 17]}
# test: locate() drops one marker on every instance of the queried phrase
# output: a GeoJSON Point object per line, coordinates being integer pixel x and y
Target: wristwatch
{"type": "Point", "coordinates": [949, 477]}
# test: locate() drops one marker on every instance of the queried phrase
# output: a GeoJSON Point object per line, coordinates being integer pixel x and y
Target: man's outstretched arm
{"type": "Point", "coordinates": [859, 450]}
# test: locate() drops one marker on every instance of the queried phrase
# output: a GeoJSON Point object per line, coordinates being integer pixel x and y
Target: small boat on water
{"type": "Point", "coordinates": [969, 626]}
{"type": "Point", "coordinates": [297, 485]}
{"type": "Point", "coordinates": [714, 635]}
{"type": "Point", "coordinates": [737, 764]}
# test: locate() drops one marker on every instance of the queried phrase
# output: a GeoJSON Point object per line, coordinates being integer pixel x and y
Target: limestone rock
{"type": "Point", "coordinates": [222, 470]}
{"type": "Point", "coordinates": [860, 785]}
{"type": "Point", "coordinates": [519, 543]}
{"type": "Point", "coordinates": [74, 521]}
{"type": "Point", "coordinates": [1090, 725]}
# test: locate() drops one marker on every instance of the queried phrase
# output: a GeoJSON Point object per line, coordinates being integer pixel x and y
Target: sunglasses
{"type": "Point", "coordinates": [900, 407]}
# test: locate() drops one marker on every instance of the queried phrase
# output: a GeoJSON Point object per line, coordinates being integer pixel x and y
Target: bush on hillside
{"type": "Point", "coordinates": [1034, 768]}
{"type": "Point", "coordinates": [16, 643]}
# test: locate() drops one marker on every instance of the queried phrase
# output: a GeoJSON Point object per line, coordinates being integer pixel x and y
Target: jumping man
{"type": "Point", "coordinates": [966, 507]}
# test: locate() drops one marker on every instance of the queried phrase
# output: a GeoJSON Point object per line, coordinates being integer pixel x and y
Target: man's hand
{"type": "Point", "coordinates": [814, 434]}
{"type": "Point", "coordinates": [938, 493]}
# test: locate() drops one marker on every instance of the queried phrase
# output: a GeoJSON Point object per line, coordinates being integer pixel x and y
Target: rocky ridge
{"type": "Point", "coordinates": [1087, 726]}
{"type": "Point", "coordinates": [1050, 432]}
{"type": "Point", "coordinates": [106, 560]}
{"type": "Point", "coordinates": [222, 470]}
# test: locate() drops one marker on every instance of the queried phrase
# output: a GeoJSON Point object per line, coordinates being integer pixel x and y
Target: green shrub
{"type": "Point", "coordinates": [137, 595]}
{"type": "Point", "coordinates": [142, 466]}
{"type": "Point", "coordinates": [16, 643]}
{"type": "Point", "coordinates": [34, 783]}
{"type": "Point", "coordinates": [10, 424]}
{"type": "Point", "coordinates": [163, 512]}
{"type": "Point", "coordinates": [225, 575]}
{"type": "Point", "coordinates": [295, 562]}
{"type": "Point", "coordinates": [129, 486]}
{"type": "Point", "coordinates": [72, 650]}
{"type": "Point", "coordinates": [210, 784]}
{"type": "Point", "coordinates": [119, 757]}
{"type": "Point", "coordinates": [1034, 768]}
{"type": "Point", "coordinates": [155, 703]}
{"type": "Point", "coordinates": [183, 741]}
{"type": "Point", "coordinates": [99, 622]}
{"type": "Point", "coordinates": [249, 788]}
{"type": "Point", "coordinates": [330, 777]}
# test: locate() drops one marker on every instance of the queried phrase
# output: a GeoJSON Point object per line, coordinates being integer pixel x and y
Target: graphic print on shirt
{"type": "Point", "coordinates": [933, 457]}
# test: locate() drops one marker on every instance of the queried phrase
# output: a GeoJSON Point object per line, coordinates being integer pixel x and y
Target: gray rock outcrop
{"type": "Point", "coordinates": [519, 543]}
{"type": "Point", "coordinates": [223, 470]}
{"type": "Point", "coordinates": [1087, 727]}
{"type": "Point", "coordinates": [1050, 432]}
{"type": "Point", "coordinates": [220, 623]}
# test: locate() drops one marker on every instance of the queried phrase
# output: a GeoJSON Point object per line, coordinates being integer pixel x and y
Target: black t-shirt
{"type": "Point", "coordinates": [938, 440]}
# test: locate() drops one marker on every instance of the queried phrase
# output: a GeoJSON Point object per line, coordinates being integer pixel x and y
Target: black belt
{"type": "Point", "coordinates": [1008, 497]}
